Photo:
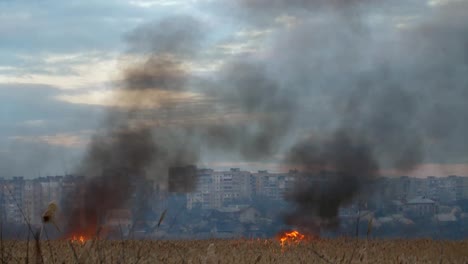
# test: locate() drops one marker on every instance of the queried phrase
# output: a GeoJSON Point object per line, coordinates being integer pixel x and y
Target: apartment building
{"type": "Point", "coordinates": [12, 192]}
{"type": "Point", "coordinates": [216, 189]}
{"type": "Point", "coordinates": [273, 186]}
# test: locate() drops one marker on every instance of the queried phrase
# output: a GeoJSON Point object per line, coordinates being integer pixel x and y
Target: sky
{"type": "Point", "coordinates": [66, 66]}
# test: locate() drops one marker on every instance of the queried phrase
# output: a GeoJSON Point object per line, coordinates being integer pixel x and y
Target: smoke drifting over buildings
{"type": "Point", "coordinates": [383, 89]}
{"type": "Point", "coordinates": [129, 145]}
{"type": "Point", "coordinates": [328, 93]}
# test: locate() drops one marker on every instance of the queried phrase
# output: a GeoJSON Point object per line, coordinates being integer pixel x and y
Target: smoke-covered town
{"type": "Point", "coordinates": [237, 203]}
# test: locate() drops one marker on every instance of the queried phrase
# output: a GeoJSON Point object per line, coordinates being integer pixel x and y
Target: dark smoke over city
{"type": "Point", "coordinates": [324, 93]}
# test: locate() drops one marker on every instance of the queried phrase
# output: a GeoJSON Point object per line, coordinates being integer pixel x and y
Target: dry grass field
{"type": "Point", "coordinates": [236, 251]}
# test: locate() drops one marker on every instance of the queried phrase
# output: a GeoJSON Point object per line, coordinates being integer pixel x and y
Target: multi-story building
{"type": "Point", "coordinates": [51, 190]}
{"type": "Point", "coordinates": [70, 185]}
{"type": "Point", "coordinates": [443, 189]}
{"type": "Point", "coordinates": [462, 188]}
{"type": "Point", "coordinates": [203, 196]}
{"type": "Point", "coordinates": [449, 191]}
{"type": "Point", "coordinates": [231, 186]}
{"type": "Point", "coordinates": [405, 188]}
{"type": "Point", "coordinates": [273, 186]}
{"type": "Point", "coordinates": [13, 200]}
{"type": "Point", "coordinates": [24, 200]}
{"type": "Point", "coordinates": [159, 199]}
{"type": "Point", "coordinates": [32, 207]}
{"type": "Point", "coordinates": [216, 189]}
{"type": "Point", "coordinates": [432, 188]}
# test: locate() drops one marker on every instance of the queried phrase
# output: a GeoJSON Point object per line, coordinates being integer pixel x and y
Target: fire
{"type": "Point", "coordinates": [78, 239]}
{"type": "Point", "coordinates": [291, 237]}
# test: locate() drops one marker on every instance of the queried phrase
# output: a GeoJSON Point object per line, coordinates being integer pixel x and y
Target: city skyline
{"type": "Point", "coordinates": [249, 197]}
{"type": "Point", "coordinates": [436, 170]}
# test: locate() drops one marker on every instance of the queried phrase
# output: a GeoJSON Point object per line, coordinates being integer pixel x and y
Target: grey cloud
{"type": "Point", "coordinates": [25, 102]}
{"type": "Point", "coordinates": [22, 103]}
{"type": "Point", "coordinates": [69, 26]}
{"type": "Point", "coordinates": [266, 13]}
{"type": "Point", "coordinates": [441, 51]}
{"type": "Point", "coordinates": [33, 159]}
{"type": "Point", "coordinates": [177, 35]}
{"type": "Point", "coordinates": [300, 4]}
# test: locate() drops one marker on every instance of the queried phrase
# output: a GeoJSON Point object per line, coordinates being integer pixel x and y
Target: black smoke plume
{"type": "Point", "coordinates": [129, 148]}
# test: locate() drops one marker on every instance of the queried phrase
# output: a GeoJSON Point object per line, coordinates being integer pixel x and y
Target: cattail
{"type": "Point", "coordinates": [49, 215]}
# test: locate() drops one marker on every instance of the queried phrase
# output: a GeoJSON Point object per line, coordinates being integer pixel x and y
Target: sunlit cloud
{"type": "Point", "coordinates": [63, 140]}
{"type": "Point", "coordinates": [205, 67]}
{"type": "Point", "coordinates": [234, 48]}
{"type": "Point", "coordinates": [145, 99]}
{"type": "Point", "coordinates": [64, 71]}
{"type": "Point", "coordinates": [435, 3]}
{"type": "Point", "coordinates": [255, 33]}
{"type": "Point", "coordinates": [405, 22]}
{"type": "Point", "coordinates": [287, 21]}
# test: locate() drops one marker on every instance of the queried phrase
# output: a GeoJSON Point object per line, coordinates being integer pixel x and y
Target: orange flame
{"type": "Point", "coordinates": [291, 237]}
{"type": "Point", "coordinates": [78, 239]}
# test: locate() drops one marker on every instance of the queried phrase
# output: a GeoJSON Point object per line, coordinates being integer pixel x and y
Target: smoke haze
{"type": "Point", "coordinates": [334, 90]}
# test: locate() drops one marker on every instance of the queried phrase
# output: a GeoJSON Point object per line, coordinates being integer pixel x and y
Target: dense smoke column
{"type": "Point", "coordinates": [182, 179]}
{"type": "Point", "coordinates": [129, 147]}
{"type": "Point", "coordinates": [342, 166]}
{"type": "Point", "coordinates": [337, 171]}
{"type": "Point", "coordinates": [114, 163]}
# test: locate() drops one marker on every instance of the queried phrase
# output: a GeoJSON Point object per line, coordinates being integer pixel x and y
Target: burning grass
{"type": "Point", "coordinates": [78, 240]}
{"type": "Point", "coordinates": [239, 251]}
{"type": "Point", "coordinates": [291, 237]}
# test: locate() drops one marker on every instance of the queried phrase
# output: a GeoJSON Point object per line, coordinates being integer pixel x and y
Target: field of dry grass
{"type": "Point", "coordinates": [236, 251]}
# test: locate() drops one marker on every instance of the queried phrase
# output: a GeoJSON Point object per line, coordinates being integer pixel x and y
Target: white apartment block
{"type": "Point", "coordinates": [24, 200]}
{"type": "Point", "coordinates": [218, 189]}
{"type": "Point", "coordinates": [273, 186]}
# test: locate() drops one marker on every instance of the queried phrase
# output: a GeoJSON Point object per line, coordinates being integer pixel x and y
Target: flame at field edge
{"type": "Point", "coordinates": [79, 239]}
{"type": "Point", "coordinates": [291, 237]}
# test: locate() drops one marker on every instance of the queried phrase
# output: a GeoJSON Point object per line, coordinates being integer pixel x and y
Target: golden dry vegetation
{"type": "Point", "coordinates": [236, 251]}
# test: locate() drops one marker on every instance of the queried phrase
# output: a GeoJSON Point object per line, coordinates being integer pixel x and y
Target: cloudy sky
{"type": "Point", "coordinates": [289, 71]}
